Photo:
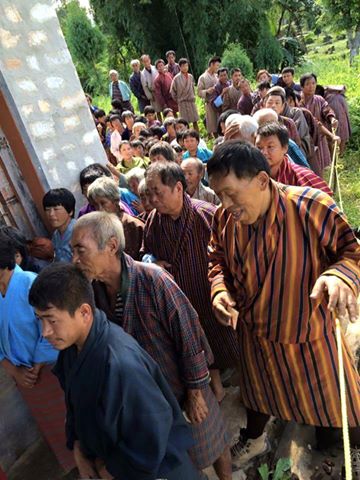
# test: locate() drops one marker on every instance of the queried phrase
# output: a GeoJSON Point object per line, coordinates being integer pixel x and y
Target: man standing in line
{"type": "Point", "coordinates": [136, 86]}
{"type": "Point", "coordinates": [206, 91]}
{"type": "Point", "coordinates": [183, 92]}
{"type": "Point", "coordinates": [232, 95]}
{"type": "Point", "coordinates": [119, 90]}
{"type": "Point", "coordinates": [162, 84]}
{"type": "Point", "coordinates": [148, 75]}
{"type": "Point", "coordinates": [172, 67]}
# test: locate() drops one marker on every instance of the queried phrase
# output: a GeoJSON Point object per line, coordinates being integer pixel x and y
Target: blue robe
{"type": "Point", "coordinates": [20, 332]}
{"type": "Point", "coordinates": [119, 405]}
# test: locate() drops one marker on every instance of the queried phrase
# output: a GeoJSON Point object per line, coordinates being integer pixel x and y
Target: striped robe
{"type": "Point", "coordinates": [183, 92]}
{"type": "Point", "coordinates": [290, 173]}
{"type": "Point", "coordinates": [288, 353]}
{"type": "Point", "coordinates": [159, 316]}
{"type": "Point", "coordinates": [183, 243]}
{"type": "Point", "coordinates": [206, 81]}
{"type": "Point", "coordinates": [323, 114]}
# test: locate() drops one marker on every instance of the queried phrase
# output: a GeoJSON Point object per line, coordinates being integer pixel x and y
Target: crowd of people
{"type": "Point", "coordinates": [184, 264]}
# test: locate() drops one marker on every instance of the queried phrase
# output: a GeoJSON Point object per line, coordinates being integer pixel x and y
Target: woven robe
{"type": "Point", "coordinates": [183, 243]}
{"type": "Point", "coordinates": [159, 316]}
{"type": "Point", "coordinates": [288, 351]}
{"type": "Point", "coordinates": [323, 114]}
{"type": "Point", "coordinates": [290, 173]}
{"type": "Point", "coordinates": [231, 98]}
{"type": "Point", "coordinates": [147, 82]}
{"type": "Point", "coordinates": [162, 84]}
{"type": "Point", "coordinates": [337, 102]}
{"type": "Point", "coordinates": [206, 81]}
{"type": "Point", "coordinates": [183, 92]}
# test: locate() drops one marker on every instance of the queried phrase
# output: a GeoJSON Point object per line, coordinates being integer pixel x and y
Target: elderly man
{"type": "Point", "coordinates": [148, 75]}
{"type": "Point", "coordinates": [285, 259]}
{"type": "Point", "coordinates": [147, 304]}
{"type": "Point", "coordinates": [193, 169]}
{"type": "Point", "coordinates": [136, 86]}
{"type": "Point", "coordinates": [119, 90]}
{"type": "Point", "coordinates": [206, 91]}
{"type": "Point", "coordinates": [172, 67]}
{"type": "Point", "coordinates": [105, 196]}
{"type": "Point", "coordinates": [176, 234]}
{"type": "Point", "coordinates": [273, 140]}
{"type": "Point", "coordinates": [241, 127]}
{"type": "Point", "coordinates": [122, 421]}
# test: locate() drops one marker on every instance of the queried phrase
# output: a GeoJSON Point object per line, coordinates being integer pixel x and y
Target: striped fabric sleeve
{"type": "Point", "coordinates": [182, 323]}
{"type": "Point", "coordinates": [219, 274]}
{"type": "Point", "coordinates": [338, 239]}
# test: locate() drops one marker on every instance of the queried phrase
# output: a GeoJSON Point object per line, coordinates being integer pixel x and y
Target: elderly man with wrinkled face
{"type": "Point", "coordinates": [283, 258]}
{"type": "Point", "coordinates": [145, 301]}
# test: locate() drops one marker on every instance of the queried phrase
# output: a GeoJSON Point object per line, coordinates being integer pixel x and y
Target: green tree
{"type": "Point", "coordinates": [345, 15]}
{"type": "Point", "coordinates": [86, 44]}
{"type": "Point", "coordinates": [235, 56]}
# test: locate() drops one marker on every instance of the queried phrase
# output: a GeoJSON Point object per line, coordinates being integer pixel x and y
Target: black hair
{"type": "Point", "coordinates": [115, 111]}
{"type": "Point", "coordinates": [277, 92]}
{"type": "Point", "coordinates": [60, 197]}
{"type": "Point", "coordinates": [289, 92]}
{"type": "Point", "coordinates": [222, 69]}
{"type": "Point", "coordinates": [149, 143]}
{"type": "Point", "coordinates": [183, 61]}
{"type": "Point", "coordinates": [7, 251]}
{"type": "Point", "coordinates": [269, 129]}
{"type": "Point", "coordinates": [222, 119]}
{"type": "Point", "coordinates": [145, 133]}
{"type": "Point", "coordinates": [99, 113]}
{"type": "Point", "coordinates": [307, 76]}
{"type": "Point", "coordinates": [177, 148]}
{"type": "Point", "coordinates": [92, 172]}
{"type": "Point", "coordinates": [137, 143]}
{"type": "Point", "coordinates": [167, 110]}
{"type": "Point", "coordinates": [149, 109]}
{"type": "Point", "coordinates": [117, 104]}
{"type": "Point", "coordinates": [288, 70]}
{"type": "Point", "coordinates": [264, 86]}
{"type": "Point", "coordinates": [170, 52]}
{"type": "Point", "coordinates": [243, 159]}
{"type": "Point", "coordinates": [320, 90]}
{"type": "Point", "coordinates": [235, 70]}
{"type": "Point", "coordinates": [179, 136]}
{"type": "Point", "coordinates": [214, 60]}
{"type": "Point", "coordinates": [158, 61]}
{"type": "Point", "coordinates": [182, 121]}
{"type": "Point", "coordinates": [140, 119]}
{"type": "Point", "coordinates": [191, 133]}
{"type": "Point", "coordinates": [164, 149]}
{"type": "Point", "coordinates": [115, 117]}
{"type": "Point", "coordinates": [156, 131]}
{"type": "Point", "coordinates": [126, 114]}
{"type": "Point", "coordinates": [170, 173]}
{"type": "Point", "coordinates": [63, 286]}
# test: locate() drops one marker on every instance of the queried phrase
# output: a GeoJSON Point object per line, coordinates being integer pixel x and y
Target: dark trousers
{"type": "Point", "coordinates": [186, 471]}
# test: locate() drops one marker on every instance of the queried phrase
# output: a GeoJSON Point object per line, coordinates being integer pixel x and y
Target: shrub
{"type": "Point", "coordinates": [269, 53]}
{"type": "Point", "coordinates": [234, 56]}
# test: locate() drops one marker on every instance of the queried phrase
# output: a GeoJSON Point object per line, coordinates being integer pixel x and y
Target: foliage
{"type": "Point", "coordinates": [269, 53]}
{"type": "Point", "coordinates": [235, 56]}
{"type": "Point", "coordinates": [86, 44]}
{"type": "Point", "coordinates": [282, 470]}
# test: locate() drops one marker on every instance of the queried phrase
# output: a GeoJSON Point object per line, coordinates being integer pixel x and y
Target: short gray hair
{"type": "Point", "coordinates": [135, 172]}
{"type": "Point", "coordinates": [142, 186]}
{"type": "Point", "coordinates": [113, 72]}
{"type": "Point", "coordinates": [198, 163]}
{"type": "Point", "coordinates": [262, 114]}
{"type": "Point", "coordinates": [135, 62]}
{"type": "Point", "coordinates": [103, 226]}
{"type": "Point", "coordinates": [104, 187]}
{"type": "Point", "coordinates": [248, 127]}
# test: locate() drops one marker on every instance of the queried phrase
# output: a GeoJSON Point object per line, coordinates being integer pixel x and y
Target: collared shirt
{"type": "Point", "coordinates": [204, 154]}
{"type": "Point", "coordinates": [61, 242]}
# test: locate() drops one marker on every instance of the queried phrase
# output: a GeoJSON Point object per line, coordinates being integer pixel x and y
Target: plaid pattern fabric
{"type": "Point", "coordinates": [184, 244]}
{"type": "Point", "coordinates": [160, 317]}
{"type": "Point", "coordinates": [290, 173]}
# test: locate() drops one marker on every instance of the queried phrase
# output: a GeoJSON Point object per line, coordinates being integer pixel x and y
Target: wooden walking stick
{"type": "Point", "coordinates": [344, 417]}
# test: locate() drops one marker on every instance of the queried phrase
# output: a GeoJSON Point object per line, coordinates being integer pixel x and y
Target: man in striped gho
{"type": "Point", "coordinates": [285, 259]}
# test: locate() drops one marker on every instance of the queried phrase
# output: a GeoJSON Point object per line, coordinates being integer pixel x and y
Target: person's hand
{"type": "Point", "coordinates": [340, 296]}
{"type": "Point", "coordinates": [25, 376]}
{"type": "Point", "coordinates": [210, 90]}
{"type": "Point", "coordinates": [224, 91]}
{"type": "Point", "coordinates": [224, 311]}
{"type": "Point", "coordinates": [334, 123]}
{"type": "Point", "coordinates": [336, 139]}
{"type": "Point", "coordinates": [85, 466]}
{"type": "Point", "coordinates": [232, 132]}
{"type": "Point", "coordinates": [99, 127]}
{"type": "Point", "coordinates": [195, 406]}
{"type": "Point", "coordinates": [138, 206]}
{"type": "Point", "coordinates": [101, 470]}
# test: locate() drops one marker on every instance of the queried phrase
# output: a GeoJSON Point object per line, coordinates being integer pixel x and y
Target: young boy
{"type": "Point", "coordinates": [150, 116]}
{"type": "Point", "coordinates": [59, 206]}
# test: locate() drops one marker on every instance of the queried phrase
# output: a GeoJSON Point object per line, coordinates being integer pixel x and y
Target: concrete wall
{"type": "Point", "coordinates": [41, 84]}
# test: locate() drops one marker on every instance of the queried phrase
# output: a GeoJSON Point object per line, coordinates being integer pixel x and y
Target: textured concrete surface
{"type": "Point", "coordinates": [39, 80]}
